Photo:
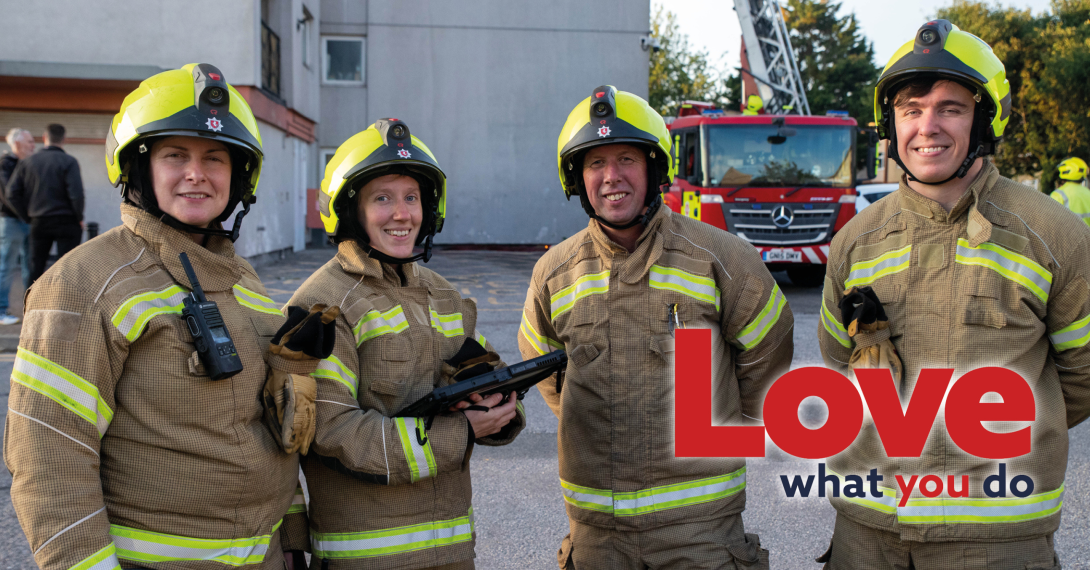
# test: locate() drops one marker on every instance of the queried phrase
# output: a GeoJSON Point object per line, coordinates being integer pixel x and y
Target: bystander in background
{"type": "Point", "coordinates": [14, 236]}
{"type": "Point", "coordinates": [46, 189]}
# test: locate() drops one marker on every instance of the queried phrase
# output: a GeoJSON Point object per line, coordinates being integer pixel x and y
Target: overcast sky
{"type": "Point", "coordinates": [712, 24]}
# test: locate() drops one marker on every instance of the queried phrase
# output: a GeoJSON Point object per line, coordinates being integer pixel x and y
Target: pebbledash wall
{"type": "Point", "coordinates": [486, 84]}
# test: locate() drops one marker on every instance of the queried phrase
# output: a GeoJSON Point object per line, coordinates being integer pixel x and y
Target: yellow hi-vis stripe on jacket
{"type": "Point", "coordinates": [946, 510]}
{"type": "Point", "coordinates": [542, 344]}
{"type": "Point", "coordinates": [394, 540]}
{"type": "Point", "coordinates": [63, 387]}
{"type": "Point", "coordinates": [145, 546]}
{"type": "Point", "coordinates": [105, 559]}
{"type": "Point", "coordinates": [333, 369]}
{"type": "Point", "coordinates": [867, 272]}
{"type": "Point", "coordinates": [1009, 265]}
{"type": "Point", "coordinates": [833, 326]}
{"type": "Point", "coordinates": [695, 286]}
{"type": "Point", "coordinates": [133, 315]}
{"type": "Point", "coordinates": [591, 284]}
{"type": "Point", "coordinates": [419, 456]}
{"type": "Point", "coordinates": [298, 502]}
{"type": "Point", "coordinates": [752, 334]}
{"type": "Point", "coordinates": [447, 325]}
{"type": "Point", "coordinates": [1075, 335]}
{"type": "Point", "coordinates": [255, 301]}
{"type": "Point", "coordinates": [656, 498]}
{"type": "Point", "coordinates": [375, 324]}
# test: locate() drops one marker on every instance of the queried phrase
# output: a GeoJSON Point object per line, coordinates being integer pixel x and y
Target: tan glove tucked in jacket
{"type": "Point", "coordinates": [862, 314]}
{"type": "Point", "coordinates": [304, 340]}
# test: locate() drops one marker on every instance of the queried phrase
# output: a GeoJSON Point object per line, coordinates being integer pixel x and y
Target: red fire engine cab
{"type": "Point", "coordinates": [784, 183]}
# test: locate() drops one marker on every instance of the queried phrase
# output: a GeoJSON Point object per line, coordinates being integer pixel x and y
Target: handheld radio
{"type": "Point", "coordinates": [214, 345]}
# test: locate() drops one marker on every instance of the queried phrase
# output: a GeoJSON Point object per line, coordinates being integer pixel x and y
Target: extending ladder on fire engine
{"type": "Point", "coordinates": [771, 59]}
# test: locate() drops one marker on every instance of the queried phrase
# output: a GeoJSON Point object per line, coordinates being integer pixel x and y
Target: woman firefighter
{"type": "Point", "coordinates": [393, 492]}
{"type": "Point", "coordinates": [135, 437]}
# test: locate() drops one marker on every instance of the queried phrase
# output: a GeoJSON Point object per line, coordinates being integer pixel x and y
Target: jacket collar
{"type": "Point", "coordinates": [648, 246]}
{"type": "Point", "coordinates": [354, 260]}
{"type": "Point", "coordinates": [979, 227]}
{"type": "Point", "coordinates": [60, 150]}
{"type": "Point", "coordinates": [216, 267]}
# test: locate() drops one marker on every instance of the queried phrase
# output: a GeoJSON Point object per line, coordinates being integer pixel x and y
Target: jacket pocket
{"type": "Point", "coordinates": [564, 555]}
{"type": "Point", "coordinates": [984, 311]}
{"type": "Point", "coordinates": [749, 555]}
{"type": "Point", "coordinates": [389, 366]}
{"type": "Point", "coordinates": [583, 355]}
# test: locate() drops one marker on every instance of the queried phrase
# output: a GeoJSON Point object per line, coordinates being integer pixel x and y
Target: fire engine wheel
{"type": "Point", "coordinates": [807, 275]}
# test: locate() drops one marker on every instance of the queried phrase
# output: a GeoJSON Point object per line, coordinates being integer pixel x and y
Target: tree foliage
{"type": "Point", "coordinates": [678, 72]}
{"type": "Point", "coordinates": [1047, 58]}
{"type": "Point", "coordinates": [835, 59]}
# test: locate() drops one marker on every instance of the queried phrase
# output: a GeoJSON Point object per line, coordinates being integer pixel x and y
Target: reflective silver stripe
{"type": "Point", "coordinates": [105, 559]}
{"type": "Point", "coordinates": [146, 546]}
{"type": "Point", "coordinates": [347, 545]}
{"type": "Point", "coordinates": [1072, 336]}
{"type": "Point", "coordinates": [480, 339]}
{"type": "Point", "coordinates": [981, 511]}
{"type": "Point", "coordinates": [833, 327]}
{"type": "Point", "coordinates": [256, 301]}
{"type": "Point", "coordinates": [542, 344]}
{"type": "Point", "coordinates": [333, 369]}
{"type": "Point", "coordinates": [419, 456]}
{"type": "Point", "coordinates": [132, 316]}
{"type": "Point", "coordinates": [298, 502]}
{"type": "Point", "coordinates": [654, 499]}
{"type": "Point", "coordinates": [753, 333]}
{"type": "Point", "coordinates": [867, 272]}
{"type": "Point", "coordinates": [591, 284]}
{"type": "Point", "coordinates": [449, 325]}
{"type": "Point", "coordinates": [63, 387]}
{"type": "Point", "coordinates": [1063, 196]}
{"type": "Point", "coordinates": [1010, 265]}
{"type": "Point", "coordinates": [695, 286]}
{"type": "Point", "coordinates": [375, 324]}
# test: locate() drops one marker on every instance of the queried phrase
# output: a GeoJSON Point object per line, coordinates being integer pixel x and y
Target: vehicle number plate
{"type": "Point", "coordinates": [772, 255]}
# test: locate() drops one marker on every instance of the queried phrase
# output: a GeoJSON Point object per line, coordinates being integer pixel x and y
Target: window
{"type": "Point", "coordinates": [305, 25]}
{"type": "Point", "coordinates": [324, 156]}
{"type": "Point", "coordinates": [342, 60]}
{"type": "Point", "coordinates": [270, 60]}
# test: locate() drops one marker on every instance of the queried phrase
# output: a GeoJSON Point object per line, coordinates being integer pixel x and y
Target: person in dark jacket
{"type": "Point", "coordinates": [14, 238]}
{"type": "Point", "coordinates": [46, 188]}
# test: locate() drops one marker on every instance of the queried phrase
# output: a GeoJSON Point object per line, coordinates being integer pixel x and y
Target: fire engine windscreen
{"type": "Point", "coordinates": [767, 155]}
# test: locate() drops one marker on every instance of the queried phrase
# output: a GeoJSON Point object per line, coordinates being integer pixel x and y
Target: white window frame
{"type": "Point", "coordinates": [363, 60]}
{"type": "Point", "coordinates": [306, 24]}
{"type": "Point", "coordinates": [323, 161]}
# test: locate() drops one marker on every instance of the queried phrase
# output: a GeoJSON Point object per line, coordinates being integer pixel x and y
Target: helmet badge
{"type": "Point", "coordinates": [603, 132]}
{"type": "Point", "coordinates": [403, 153]}
{"type": "Point", "coordinates": [214, 124]}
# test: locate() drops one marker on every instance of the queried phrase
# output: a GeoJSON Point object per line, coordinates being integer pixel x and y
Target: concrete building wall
{"type": "Point", "coordinates": [271, 224]}
{"type": "Point", "coordinates": [487, 85]}
{"type": "Point", "coordinates": [135, 32]}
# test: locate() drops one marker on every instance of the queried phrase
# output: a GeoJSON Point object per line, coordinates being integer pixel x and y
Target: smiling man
{"type": "Point", "coordinates": [973, 270]}
{"type": "Point", "coordinates": [612, 296]}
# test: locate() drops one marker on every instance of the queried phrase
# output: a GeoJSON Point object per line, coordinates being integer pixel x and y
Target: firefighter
{"type": "Point", "coordinates": [385, 491]}
{"type": "Point", "coordinates": [122, 449]}
{"type": "Point", "coordinates": [1073, 194]}
{"type": "Point", "coordinates": [754, 105]}
{"type": "Point", "coordinates": [973, 270]}
{"type": "Point", "coordinates": [612, 296]}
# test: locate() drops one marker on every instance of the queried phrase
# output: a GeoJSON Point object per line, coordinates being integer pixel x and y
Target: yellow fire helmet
{"type": "Point", "coordinates": [195, 100]}
{"type": "Point", "coordinates": [943, 51]}
{"type": "Point", "coordinates": [1073, 168]}
{"type": "Point", "coordinates": [386, 147]}
{"type": "Point", "coordinates": [610, 116]}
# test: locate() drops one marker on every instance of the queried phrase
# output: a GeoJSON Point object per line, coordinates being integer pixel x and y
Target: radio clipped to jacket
{"type": "Point", "coordinates": [214, 345]}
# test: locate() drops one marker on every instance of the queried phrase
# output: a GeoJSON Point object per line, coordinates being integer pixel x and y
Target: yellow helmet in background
{"type": "Point", "coordinates": [941, 50]}
{"type": "Point", "coordinates": [1073, 168]}
{"type": "Point", "coordinates": [385, 147]}
{"type": "Point", "coordinates": [195, 100]}
{"type": "Point", "coordinates": [610, 116]}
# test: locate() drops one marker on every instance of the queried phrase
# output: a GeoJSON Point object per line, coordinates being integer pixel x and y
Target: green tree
{"type": "Point", "coordinates": [835, 59]}
{"type": "Point", "coordinates": [1047, 58]}
{"type": "Point", "coordinates": [678, 72]}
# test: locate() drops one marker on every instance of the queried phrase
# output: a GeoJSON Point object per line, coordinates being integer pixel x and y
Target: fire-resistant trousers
{"type": "Point", "coordinates": [717, 544]}
{"type": "Point", "coordinates": [858, 547]}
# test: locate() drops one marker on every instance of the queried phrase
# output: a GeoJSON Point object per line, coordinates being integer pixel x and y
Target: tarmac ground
{"type": "Point", "coordinates": [518, 506]}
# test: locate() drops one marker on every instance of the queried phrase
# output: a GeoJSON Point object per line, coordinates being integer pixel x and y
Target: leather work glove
{"type": "Point", "coordinates": [471, 360]}
{"type": "Point", "coordinates": [300, 344]}
{"type": "Point", "coordinates": [862, 314]}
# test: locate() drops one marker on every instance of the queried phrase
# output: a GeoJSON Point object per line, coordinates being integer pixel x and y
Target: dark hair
{"type": "Point", "coordinates": [56, 133]}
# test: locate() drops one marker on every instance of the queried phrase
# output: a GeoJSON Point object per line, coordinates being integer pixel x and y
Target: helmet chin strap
{"type": "Point", "coordinates": [645, 219]}
{"type": "Point", "coordinates": [231, 234]}
{"type": "Point", "coordinates": [376, 254]}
